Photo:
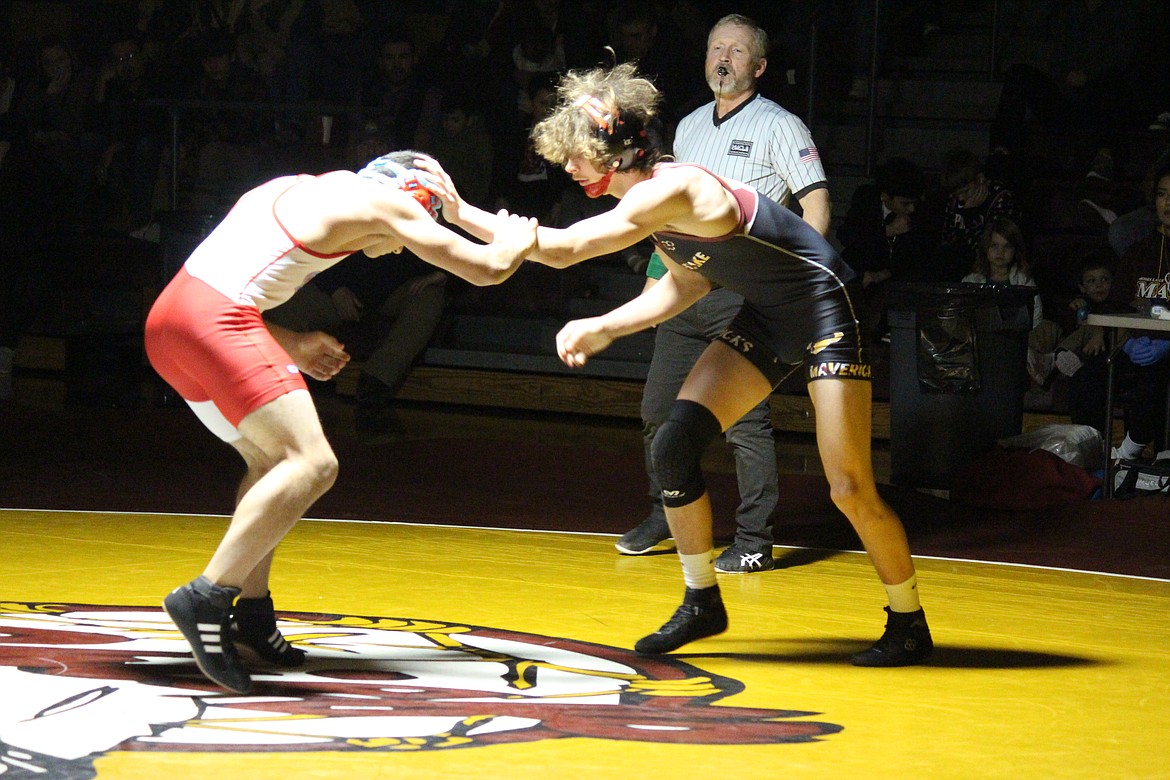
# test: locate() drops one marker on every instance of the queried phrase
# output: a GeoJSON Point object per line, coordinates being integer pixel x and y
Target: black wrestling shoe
{"type": "Point", "coordinates": [701, 615]}
{"type": "Point", "coordinates": [202, 611]}
{"type": "Point", "coordinates": [253, 630]}
{"type": "Point", "coordinates": [646, 536]}
{"type": "Point", "coordinates": [906, 642]}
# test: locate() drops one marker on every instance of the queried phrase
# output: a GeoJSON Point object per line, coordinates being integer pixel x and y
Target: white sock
{"type": "Point", "coordinates": [699, 569]}
{"type": "Point", "coordinates": [904, 597]}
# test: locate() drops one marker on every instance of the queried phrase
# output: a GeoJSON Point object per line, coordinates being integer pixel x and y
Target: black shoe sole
{"type": "Point", "coordinates": [665, 544]}
{"type": "Point", "coordinates": [261, 651]}
{"type": "Point", "coordinates": [871, 660]}
{"type": "Point", "coordinates": [759, 570]}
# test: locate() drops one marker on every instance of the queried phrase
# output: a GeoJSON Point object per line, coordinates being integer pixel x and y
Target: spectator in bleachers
{"type": "Point", "coordinates": [1081, 354]}
{"type": "Point", "coordinates": [973, 202]}
{"type": "Point", "coordinates": [331, 44]}
{"type": "Point", "coordinates": [527, 183]}
{"type": "Point", "coordinates": [881, 241]}
{"type": "Point", "coordinates": [385, 314]}
{"type": "Point", "coordinates": [397, 96]}
{"type": "Point", "coordinates": [531, 29]}
{"type": "Point", "coordinates": [587, 18]}
{"type": "Point", "coordinates": [1140, 279]}
{"type": "Point", "coordinates": [264, 55]}
{"type": "Point", "coordinates": [1135, 224]}
{"type": "Point", "coordinates": [54, 109]}
{"type": "Point", "coordinates": [29, 203]}
{"type": "Point", "coordinates": [132, 135]}
{"type": "Point", "coordinates": [464, 146]}
{"type": "Point", "coordinates": [224, 142]}
{"type": "Point", "coordinates": [655, 44]}
{"type": "Point", "coordinates": [1001, 260]}
{"type": "Point", "coordinates": [537, 52]}
{"type": "Point", "coordinates": [56, 106]}
{"type": "Point", "coordinates": [907, 26]}
{"type": "Point", "coordinates": [1086, 82]}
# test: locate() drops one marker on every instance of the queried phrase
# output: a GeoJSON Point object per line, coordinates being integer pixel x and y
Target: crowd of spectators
{"type": "Point", "coordinates": [260, 86]}
{"type": "Point", "coordinates": [157, 107]}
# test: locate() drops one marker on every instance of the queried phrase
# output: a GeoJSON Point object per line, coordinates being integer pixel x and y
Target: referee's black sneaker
{"type": "Point", "coordinates": [906, 642]}
{"type": "Point", "coordinates": [645, 537]}
{"type": "Point", "coordinates": [742, 560]}
{"type": "Point", "coordinates": [202, 611]}
{"type": "Point", "coordinates": [254, 631]}
{"type": "Point", "coordinates": [702, 614]}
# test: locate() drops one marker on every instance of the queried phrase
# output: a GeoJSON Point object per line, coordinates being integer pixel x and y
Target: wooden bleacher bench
{"type": "Point", "coordinates": [569, 394]}
{"type": "Point", "coordinates": [592, 395]}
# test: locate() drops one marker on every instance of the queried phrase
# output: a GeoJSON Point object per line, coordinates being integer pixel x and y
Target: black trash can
{"type": "Point", "coordinates": [958, 374]}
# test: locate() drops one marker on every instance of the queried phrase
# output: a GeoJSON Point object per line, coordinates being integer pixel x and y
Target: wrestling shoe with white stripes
{"type": "Point", "coordinates": [254, 631]}
{"type": "Point", "coordinates": [202, 612]}
{"type": "Point", "coordinates": [741, 560]}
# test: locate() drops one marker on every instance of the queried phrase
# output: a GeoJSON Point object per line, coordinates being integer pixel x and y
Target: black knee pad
{"type": "Point", "coordinates": [678, 450]}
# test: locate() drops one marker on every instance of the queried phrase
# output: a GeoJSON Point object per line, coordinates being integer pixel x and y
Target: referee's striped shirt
{"type": "Point", "coordinates": [760, 143]}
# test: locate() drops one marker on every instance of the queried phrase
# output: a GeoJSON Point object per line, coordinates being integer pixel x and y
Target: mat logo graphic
{"type": "Point", "coordinates": [83, 680]}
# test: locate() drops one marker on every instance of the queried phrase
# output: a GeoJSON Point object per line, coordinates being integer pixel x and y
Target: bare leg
{"type": "Point", "coordinates": [285, 433]}
{"type": "Point", "coordinates": [844, 422]}
{"type": "Point", "coordinates": [727, 385]}
{"type": "Point", "coordinates": [256, 586]}
{"type": "Point", "coordinates": [290, 465]}
{"type": "Point", "coordinates": [843, 410]}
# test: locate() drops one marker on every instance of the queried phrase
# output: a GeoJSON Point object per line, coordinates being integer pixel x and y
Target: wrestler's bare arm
{"type": "Point", "coordinates": [649, 205]}
{"type": "Point", "coordinates": [675, 292]}
{"type": "Point", "coordinates": [341, 212]}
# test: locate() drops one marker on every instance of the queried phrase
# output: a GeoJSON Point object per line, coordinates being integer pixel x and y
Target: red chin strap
{"type": "Point", "coordinates": [598, 188]}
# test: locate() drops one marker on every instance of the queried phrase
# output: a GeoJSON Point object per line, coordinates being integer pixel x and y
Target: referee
{"type": "Point", "coordinates": [744, 136]}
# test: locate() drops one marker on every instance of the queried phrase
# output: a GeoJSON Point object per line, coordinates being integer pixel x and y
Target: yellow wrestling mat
{"type": "Point", "coordinates": [443, 652]}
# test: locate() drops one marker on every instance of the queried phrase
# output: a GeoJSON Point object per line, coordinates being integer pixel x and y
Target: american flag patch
{"type": "Point", "coordinates": [809, 154]}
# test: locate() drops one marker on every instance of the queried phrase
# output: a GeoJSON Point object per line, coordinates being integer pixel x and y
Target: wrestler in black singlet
{"type": "Point", "coordinates": [795, 307]}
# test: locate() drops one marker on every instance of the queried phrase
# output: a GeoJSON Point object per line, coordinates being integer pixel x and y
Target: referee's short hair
{"type": "Point", "coordinates": [760, 40]}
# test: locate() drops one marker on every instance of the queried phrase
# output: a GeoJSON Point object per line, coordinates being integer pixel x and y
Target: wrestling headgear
{"type": "Point", "coordinates": [412, 181]}
{"type": "Point", "coordinates": [625, 138]}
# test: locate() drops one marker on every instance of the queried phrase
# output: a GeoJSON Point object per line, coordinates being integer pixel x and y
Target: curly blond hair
{"type": "Point", "coordinates": [571, 131]}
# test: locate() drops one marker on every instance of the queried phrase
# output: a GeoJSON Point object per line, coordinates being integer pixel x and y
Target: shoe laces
{"type": "Point", "coordinates": [683, 615]}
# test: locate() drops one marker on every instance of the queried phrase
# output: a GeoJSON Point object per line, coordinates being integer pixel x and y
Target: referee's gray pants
{"type": "Point", "coordinates": [678, 342]}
